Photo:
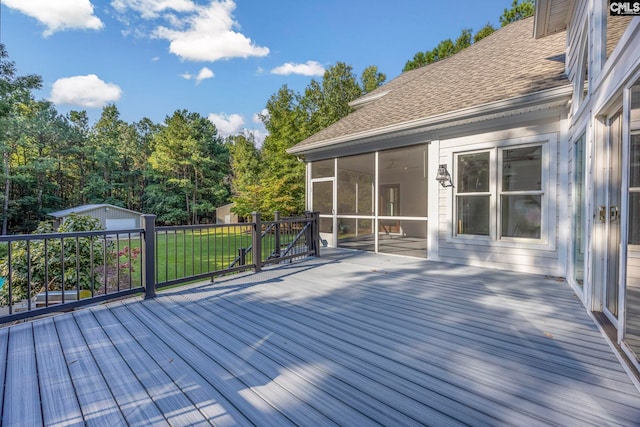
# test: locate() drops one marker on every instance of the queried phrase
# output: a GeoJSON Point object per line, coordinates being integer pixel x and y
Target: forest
{"type": "Point", "coordinates": [181, 169]}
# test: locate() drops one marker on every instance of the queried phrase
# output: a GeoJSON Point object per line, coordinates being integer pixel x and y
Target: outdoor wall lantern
{"type": "Point", "coordinates": [444, 177]}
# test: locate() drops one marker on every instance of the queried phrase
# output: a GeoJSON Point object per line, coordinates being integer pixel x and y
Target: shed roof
{"type": "Point", "coordinates": [87, 208]}
{"type": "Point", "coordinates": [510, 63]}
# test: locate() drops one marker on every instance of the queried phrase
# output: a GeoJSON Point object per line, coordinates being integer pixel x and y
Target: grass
{"type": "Point", "coordinates": [186, 253]}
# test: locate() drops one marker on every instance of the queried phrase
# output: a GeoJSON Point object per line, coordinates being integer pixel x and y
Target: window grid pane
{"type": "Point", "coordinates": [522, 169]}
{"type": "Point", "coordinates": [473, 173]}
{"type": "Point", "coordinates": [473, 215]}
{"type": "Point", "coordinates": [521, 216]}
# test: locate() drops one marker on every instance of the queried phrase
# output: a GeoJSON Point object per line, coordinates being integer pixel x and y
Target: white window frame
{"type": "Point", "coordinates": [548, 142]}
{"type": "Point", "coordinates": [490, 193]}
{"type": "Point", "coordinates": [544, 178]}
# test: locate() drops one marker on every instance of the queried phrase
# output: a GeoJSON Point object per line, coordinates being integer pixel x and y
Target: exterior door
{"type": "Point", "coordinates": [613, 241]}
{"type": "Point", "coordinates": [322, 201]}
{"type": "Point", "coordinates": [608, 219]}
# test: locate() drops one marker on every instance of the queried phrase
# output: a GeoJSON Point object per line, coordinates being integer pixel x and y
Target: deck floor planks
{"type": "Point", "coordinates": [205, 397]}
{"type": "Point", "coordinates": [294, 382]}
{"type": "Point", "coordinates": [170, 400]}
{"type": "Point", "coordinates": [97, 404]}
{"type": "Point", "coordinates": [60, 404]}
{"type": "Point", "coordinates": [579, 402]}
{"type": "Point", "coordinates": [22, 402]}
{"type": "Point", "coordinates": [369, 357]}
{"type": "Point", "coordinates": [243, 398]}
{"type": "Point", "coordinates": [132, 398]}
{"type": "Point", "coordinates": [370, 382]}
{"type": "Point", "coordinates": [304, 361]}
{"type": "Point", "coordinates": [268, 386]}
{"type": "Point", "coordinates": [377, 338]}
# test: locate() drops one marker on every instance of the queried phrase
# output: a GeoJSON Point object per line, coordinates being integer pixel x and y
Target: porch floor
{"type": "Point", "coordinates": [347, 339]}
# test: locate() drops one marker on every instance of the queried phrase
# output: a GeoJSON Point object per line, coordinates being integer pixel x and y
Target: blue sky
{"type": "Point", "coordinates": [222, 59]}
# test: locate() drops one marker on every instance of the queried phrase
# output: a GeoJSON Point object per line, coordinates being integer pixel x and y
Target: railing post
{"type": "Point", "coordinates": [276, 217]}
{"type": "Point", "coordinates": [257, 242]}
{"type": "Point", "coordinates": [316, 232]}
{"type": "Point", "coordinates": [149, 255]}
{"type": "Point", "coordinates": [242, 254]}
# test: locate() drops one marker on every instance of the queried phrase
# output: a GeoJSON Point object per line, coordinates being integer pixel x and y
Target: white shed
{"type": "Point", "coordinates": [111, 217]}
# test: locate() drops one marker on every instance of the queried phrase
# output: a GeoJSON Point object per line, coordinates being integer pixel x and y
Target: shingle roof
{"type": "Point", "coordinates": [507, 64]}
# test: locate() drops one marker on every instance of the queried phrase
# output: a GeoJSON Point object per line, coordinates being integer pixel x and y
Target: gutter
{"type": "Point", "coordinates": [493, 110]}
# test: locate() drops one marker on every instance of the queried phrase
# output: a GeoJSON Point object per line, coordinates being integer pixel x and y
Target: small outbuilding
{"type": "Point", "coordinates": [111, 217]}
{"type": "Point", "coordinates": [225, 215]}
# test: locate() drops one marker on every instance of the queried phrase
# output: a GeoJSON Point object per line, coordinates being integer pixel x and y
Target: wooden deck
{"type": "Point", "coordinates": [348, 339]}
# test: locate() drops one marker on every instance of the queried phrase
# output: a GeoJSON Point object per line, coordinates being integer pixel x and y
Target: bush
{"type": "Point", "coordinates": [69, 262]}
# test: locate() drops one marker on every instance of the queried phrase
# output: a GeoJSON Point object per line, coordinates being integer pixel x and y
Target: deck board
{"type": "Point", "coordinates": [60, 404]}
{"type": "Point", "coordinates": [131, 396]}
{"type": "Point", "coordinates": [170, 399]}
{"type": "Point", "coordinates": [97, 404]}
{"type": "Point", "coordinates": [22, 402]}
{"type": "Point", "coordinates": [4, 343]}
{"type": "Point", "coordinates": [347, 339]}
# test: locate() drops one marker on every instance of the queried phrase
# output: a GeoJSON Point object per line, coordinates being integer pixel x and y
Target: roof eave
{"type": "Point", "coordinates": [559, 95]}
{"type": "Point", "coordinates": [550, 20]}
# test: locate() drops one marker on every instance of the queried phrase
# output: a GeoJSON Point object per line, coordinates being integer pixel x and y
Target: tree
{"type": "Point", "coordinates": [483, 32]}
{"type": "Point", "coordinates": [520, 9]}
{"type": "Point", "coordinates": [189, 163]}
{"type": "Point", "coordinates": [443, 50]}
{"type": "Point", "coordinates": [371, 79]}
{"type": "Point", "coordinates": [245, 174]}
{"type": "Point", "coordinates": [15, 93]}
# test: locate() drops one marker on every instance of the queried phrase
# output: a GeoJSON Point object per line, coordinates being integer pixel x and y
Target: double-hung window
{"type": "Point", "coordinates": [500, 193]}
{"type": "Point", "coordinates": [473, 193]}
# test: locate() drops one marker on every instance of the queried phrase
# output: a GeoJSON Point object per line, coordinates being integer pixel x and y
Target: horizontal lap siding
{"type": "Point", "coordinates": [520, 257]}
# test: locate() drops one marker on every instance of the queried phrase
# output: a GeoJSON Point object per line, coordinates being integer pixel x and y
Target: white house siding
{"type": "Point", "coordinates": [546, 257]}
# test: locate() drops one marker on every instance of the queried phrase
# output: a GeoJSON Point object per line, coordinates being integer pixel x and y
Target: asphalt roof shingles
{"type": "Point", "coordinates": [507, 64]}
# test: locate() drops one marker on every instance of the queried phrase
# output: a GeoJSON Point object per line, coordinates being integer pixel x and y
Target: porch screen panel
{"type": "Point", "coordinates": [322, 193]}
{"type": "Point", "coordinates": [323, 169]}
{"type": "Point", "coordinates": [402, 176]}
{"type": "Point", "coordinates": [356, 177]}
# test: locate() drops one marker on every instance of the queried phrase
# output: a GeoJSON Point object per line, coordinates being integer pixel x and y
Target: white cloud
{"type": "Point", "coordinates": [310, 68]}
{"type": "Point", "coordinates": [205, 73]}
{"type": "Point", "coordinates": [59, 15]}
{"type": "Point", "coordinates": [150, 9]}
{"type": "Point", "coordinates": [208, 35]}
{"type": "Point", "coordinates": [84, 91]}
{"type": "Point", "coordinates": [227, 124]}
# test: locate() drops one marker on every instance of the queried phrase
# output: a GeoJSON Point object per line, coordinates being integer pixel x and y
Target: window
{"type": "Point", "coordinates": [521, 195]}
{"type": "Point", "coordinates": [515, 176]}
{"type": "Point", "coordinates": [473, 198]}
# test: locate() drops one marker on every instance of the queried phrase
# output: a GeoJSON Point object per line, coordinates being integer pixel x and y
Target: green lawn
{"type": "Point", "coordinates": [188, 253]}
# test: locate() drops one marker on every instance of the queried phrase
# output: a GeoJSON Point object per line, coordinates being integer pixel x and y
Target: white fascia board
{"type": "Point", "coordinates": [490, 111]}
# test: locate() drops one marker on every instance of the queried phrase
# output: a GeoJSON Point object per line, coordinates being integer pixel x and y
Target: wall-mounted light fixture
{"type": "Point", "coordinates": [444, 177]}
